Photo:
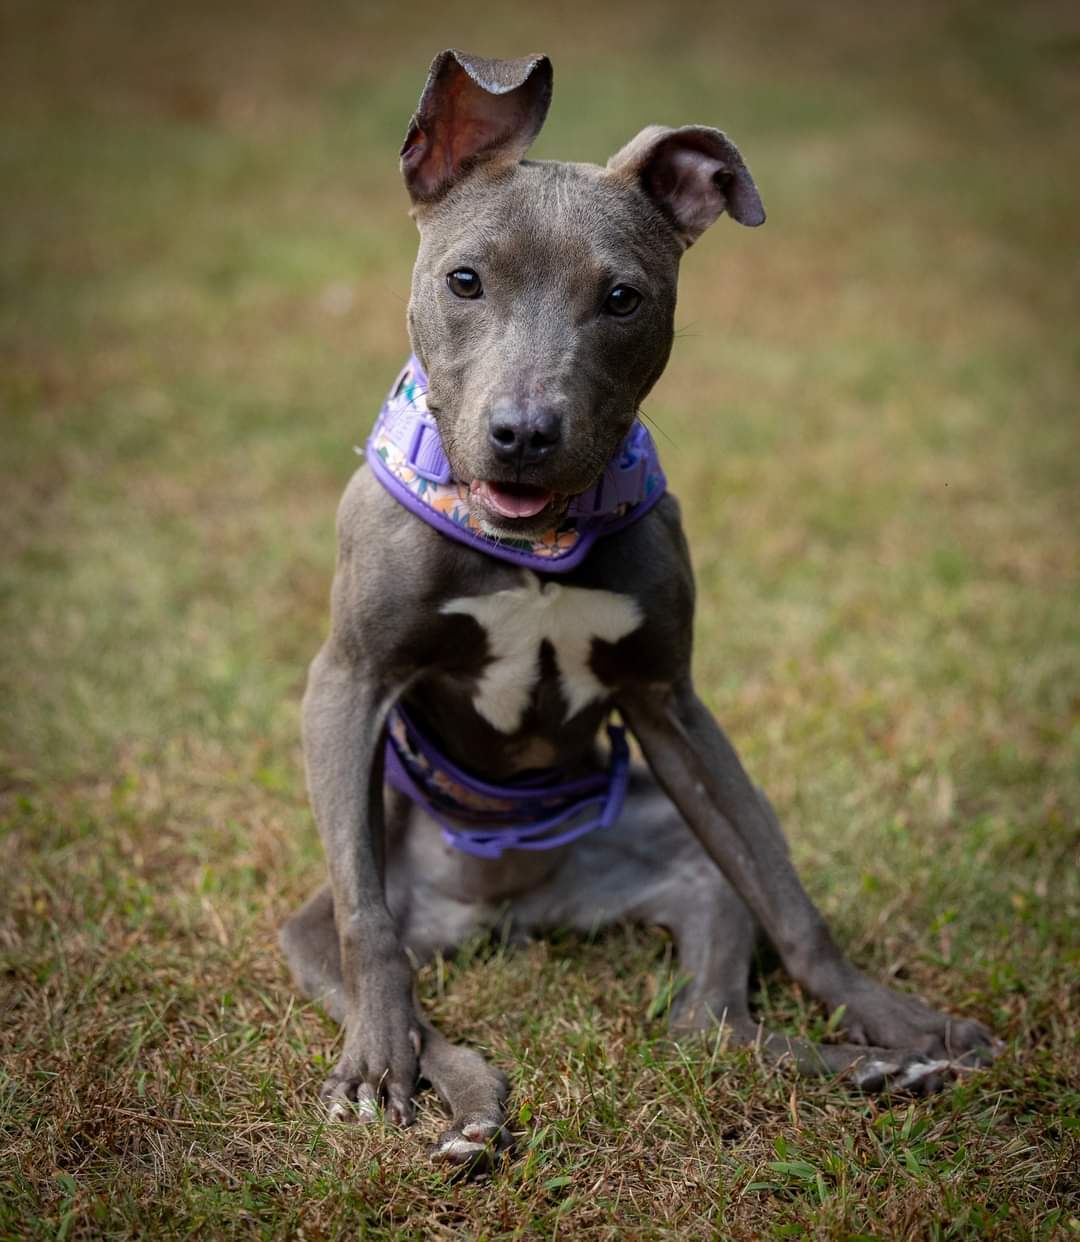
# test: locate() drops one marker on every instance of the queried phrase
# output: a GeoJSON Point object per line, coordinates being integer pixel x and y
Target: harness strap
{"type": "Point", "coordinates": [484, 819]}
{"type": "Point", "coordinates": [406, 455]}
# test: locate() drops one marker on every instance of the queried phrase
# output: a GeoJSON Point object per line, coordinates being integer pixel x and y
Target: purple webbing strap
{"type": "Point", "coordinates": [623, 481]}
{"type": "Point", "coordinates": [527, 790]}
{"type": "Point", "coordinates": [608, 790]}
{"type": "Point", "coordinates": [631, 484]}
{"type": "Point", "coordinates": [417, 434]}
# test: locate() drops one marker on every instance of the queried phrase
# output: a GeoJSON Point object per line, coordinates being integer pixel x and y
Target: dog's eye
{"type": "Point", "coordinates": [464, 283]}
{"type": "Point", "coordinates": [623, 300]}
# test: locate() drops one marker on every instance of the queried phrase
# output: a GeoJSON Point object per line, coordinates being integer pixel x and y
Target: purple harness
{"type": "Point", "coordinates": [406, 454]}
{"type": "Point", "coordinates": [535, 813]}
{"type": "Point", "coordinates": [542, 811]}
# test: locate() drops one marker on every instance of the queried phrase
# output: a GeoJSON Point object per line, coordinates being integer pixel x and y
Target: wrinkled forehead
{"type": "Point", "coordinates": [547, 218]}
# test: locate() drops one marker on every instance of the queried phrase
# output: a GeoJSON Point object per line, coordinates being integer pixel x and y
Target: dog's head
{"type": "Point", "coordinates": [543, 295]}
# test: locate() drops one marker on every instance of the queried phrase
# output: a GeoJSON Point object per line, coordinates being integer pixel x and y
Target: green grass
{"type": "Point", "coordinates": [871, 418]}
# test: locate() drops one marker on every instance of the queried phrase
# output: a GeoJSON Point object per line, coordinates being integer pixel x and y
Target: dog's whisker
{"type": "Point", "coordinates": [653, 423]}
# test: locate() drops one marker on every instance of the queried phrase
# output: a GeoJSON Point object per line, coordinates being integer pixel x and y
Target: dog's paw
{"type": "Point", "coordinates": [349, 1099]}
{"type": "Point", "coordinates": [913, 1073]}
{"type": "Point", "coordinates": [369, 1074]}
{"type": "Point", "coordinates": [880, 1017]}
{"type": "Point", "coordinates": [472, 1144]}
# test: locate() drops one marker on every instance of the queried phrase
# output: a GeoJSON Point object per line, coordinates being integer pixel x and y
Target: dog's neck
{"type": "Point", "coordinates": [407, 457]}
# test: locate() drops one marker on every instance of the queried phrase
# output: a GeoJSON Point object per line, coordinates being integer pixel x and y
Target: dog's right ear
{"type": "Point", "coordinates": [472, 110]}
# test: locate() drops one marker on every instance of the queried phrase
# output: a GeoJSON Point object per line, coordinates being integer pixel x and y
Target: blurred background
{"type": "Point", "coordinates": [870, 417]}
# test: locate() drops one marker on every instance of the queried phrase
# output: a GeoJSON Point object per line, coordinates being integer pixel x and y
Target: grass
{"type": "Point", "coordinates": [871, 418]}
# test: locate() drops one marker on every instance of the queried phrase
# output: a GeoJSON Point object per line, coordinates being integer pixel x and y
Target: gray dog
{"type": "Point", "coordinates": [511, 570]}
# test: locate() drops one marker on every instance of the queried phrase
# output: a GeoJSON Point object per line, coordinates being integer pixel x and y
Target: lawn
{"type": "Point", "coordinates": [871, 419]}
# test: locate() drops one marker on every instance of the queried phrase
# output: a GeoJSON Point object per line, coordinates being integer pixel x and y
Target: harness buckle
{"type": "Point", "coordinates": [622, 483]}
{"type": "Point", "coordinates": [425, 453]}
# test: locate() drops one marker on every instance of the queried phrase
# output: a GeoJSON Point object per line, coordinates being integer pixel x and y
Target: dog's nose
{"type": "Point", "coordinates": [523, 436]}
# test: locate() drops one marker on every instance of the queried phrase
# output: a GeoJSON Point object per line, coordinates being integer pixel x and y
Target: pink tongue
{"type": "Point", "coordinates": [514, 502]}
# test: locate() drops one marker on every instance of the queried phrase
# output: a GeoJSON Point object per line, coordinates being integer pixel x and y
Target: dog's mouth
{"type": "Point", "coordinates": [515, 502]}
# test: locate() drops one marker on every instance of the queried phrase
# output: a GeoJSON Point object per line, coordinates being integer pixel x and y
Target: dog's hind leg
{"type": "Point", "coordinates": [475, 1094]}
{"type": "Point", "coordinates": [715, 934]}
{"type": "Point", "coordinates": [650, 868]}
{"type": "Point", "coordinates": [309, 941]}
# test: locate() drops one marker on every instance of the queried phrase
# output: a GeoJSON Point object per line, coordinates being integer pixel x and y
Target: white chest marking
{"type": "Point", "coordinates": [518, 620]}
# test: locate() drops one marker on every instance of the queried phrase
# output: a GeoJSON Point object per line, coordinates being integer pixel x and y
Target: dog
{"type": "Point", "coordinates": [512, 571]}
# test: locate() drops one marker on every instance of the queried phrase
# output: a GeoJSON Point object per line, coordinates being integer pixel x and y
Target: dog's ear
{"type": "Point", "coordinates": [472, 110]}
{"type": "Point", "coordinates": [693, 175]}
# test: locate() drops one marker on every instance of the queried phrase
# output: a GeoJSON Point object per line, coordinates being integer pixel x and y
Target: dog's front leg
{"type": "Point", "coordinates": [344, 712]}
{"type": "Point", "coordinates": [701, 772]}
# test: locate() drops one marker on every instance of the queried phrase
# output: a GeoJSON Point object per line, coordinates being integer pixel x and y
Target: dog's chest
{"type": "Point", "coordinates": [519, 621]}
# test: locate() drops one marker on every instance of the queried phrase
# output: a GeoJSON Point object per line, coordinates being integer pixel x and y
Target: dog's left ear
{"type": "Point", "coordinates": [693, 175]}
{"type": "Point", "coordinates": [472, 110]}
